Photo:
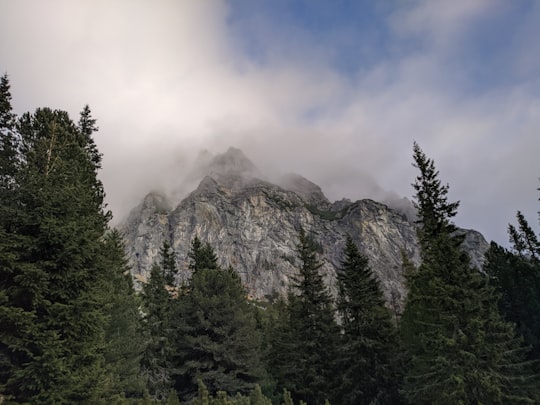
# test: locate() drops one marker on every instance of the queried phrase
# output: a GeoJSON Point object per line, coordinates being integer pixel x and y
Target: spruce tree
{"type": "Point", "coordinates": [9, 158]}
{"type": "Point", "coordinates": [124, 342]}
{"type": "Point", "coordinates": [368, 350]}
{"type": "Point", "coordinates": [304, 347]}
{"type": "Point", "coordinates": [202, 256]}
{"type": "Point", "coordinates": [516, 277]}
{"type": "Point", "coordinates": [460, 349]}
{"type": "Point", "coordinates": [53, 315]}
{"type": "Point", "coordinates": [157, 302]}
{"type": "Point", "coordinates": [216, 336]}
{"type": "Point", "coordinates": [168, 264]}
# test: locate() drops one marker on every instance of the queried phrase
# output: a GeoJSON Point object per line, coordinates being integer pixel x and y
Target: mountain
{"type": "Point", "coordinates": [253, 226]}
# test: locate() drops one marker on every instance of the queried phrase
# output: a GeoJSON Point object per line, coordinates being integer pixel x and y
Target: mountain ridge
{"type": "Point", "coordinates": [253, 226]}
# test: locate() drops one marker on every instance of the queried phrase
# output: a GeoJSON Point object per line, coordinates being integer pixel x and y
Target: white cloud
{"type": "Point", "coordinates": [166, 78]}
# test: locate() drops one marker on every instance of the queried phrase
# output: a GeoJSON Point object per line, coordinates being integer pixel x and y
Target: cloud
{"type": "Point", "coordinates": [340, 105]}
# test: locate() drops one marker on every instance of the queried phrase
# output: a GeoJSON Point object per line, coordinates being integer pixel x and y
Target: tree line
{"type": "Point", "coordinates": [73, 330]}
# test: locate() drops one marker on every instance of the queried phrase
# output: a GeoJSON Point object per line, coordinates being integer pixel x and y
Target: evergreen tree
{"type": "Point", "coordinates": [168, 264]}
{"type": "Point", "coordinates": [216, 336]}
{"type": "Point", "coordinates": [52, 316]}
{"type": "Point", "coordinates": [157, 300]}
{"type": "Point", "coordinates": [202, 256]}
{"type": "Point", "coordinates": [516, 277]}
{"type": "Point", "coordinates": [9, 158]}
{"type": "Point", "coordinates": [303, 356]}
{"type": "Point", "coordinates": [123, 333]}
{"type": "Point", "coordinates": [368, 351]}
{"type": "Point", "coordinates": [460, 349]}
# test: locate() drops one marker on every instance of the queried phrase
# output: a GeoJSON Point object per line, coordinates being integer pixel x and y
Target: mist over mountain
{"type": "Point", "coordinates": [253, 220]}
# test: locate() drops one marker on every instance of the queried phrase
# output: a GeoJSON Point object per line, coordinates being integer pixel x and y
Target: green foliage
{"type": "Point", "coordinates": [221, 398]}
{"type": "Point", "coordinates": [157, 300]}
{"type": "Point", "coordinates": [123, 332]}
{"type": "Point", "coordinates": [215, 329]}
{"type": "Point", "coordinates": [168, 263]}
{"type": "Point", "coordinates": [305, 336]}
{"type": "Point", "coordinates": [53, 313]}
{"type": "Point", "coordinates": [524, 240]}
{"type": "Point", "coordinates": [201, 256]}
{"type": "Point", "coordinates": [459, 348]}
{"type": "Point", "coordinates": [516, 277]}
{"type": "Point", "coordinates": [369, 344]}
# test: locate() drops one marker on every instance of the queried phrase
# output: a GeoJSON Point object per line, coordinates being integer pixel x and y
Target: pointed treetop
{"type": "Point", "coordinates": [434, 210]}
{"type": "Point", "coordinates": [7, 118]}
{"type": "Point", "coordinates": [202, 256]}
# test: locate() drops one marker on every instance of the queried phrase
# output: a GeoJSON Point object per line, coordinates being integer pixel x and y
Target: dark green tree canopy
{"type": "Point", "coordinates": [215, 329]}
{"type": "Point", "coordinates": [434, 210]}
{"type": "Point", "coordinates": [53, 310]}
{"type": "Point", "coordinates": [460, 349]}
{"type": "Point", "coordinates": [202, 256]}
{"type": "Point", "coordinates": [369, 346]}
{"type": "Point", "coordinates": [303, 358]}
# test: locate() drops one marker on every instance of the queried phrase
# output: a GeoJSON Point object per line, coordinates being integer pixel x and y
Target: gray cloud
{"type": "Point", "coordinates": [166, 79]}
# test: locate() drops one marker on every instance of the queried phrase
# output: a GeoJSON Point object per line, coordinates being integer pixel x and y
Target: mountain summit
{"type": "Point", "coordinates": [253, 226]}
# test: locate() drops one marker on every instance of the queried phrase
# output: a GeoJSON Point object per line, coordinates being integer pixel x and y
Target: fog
{"type": "Point", "coordinates": [166, 79]}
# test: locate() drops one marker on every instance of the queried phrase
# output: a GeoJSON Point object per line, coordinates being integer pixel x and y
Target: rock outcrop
{"type": "Point", "coordinates": [253, 226]}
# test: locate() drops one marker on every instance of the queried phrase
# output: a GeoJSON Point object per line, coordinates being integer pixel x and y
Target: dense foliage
{"type": "Point", "coordinates": [459, 348]}
{"type": "Point", "coordinates": [516, 276]}
{"type": "Point", "coordinates": [56, 262]}
{"type": "Point", "coordinates": [74, 330]}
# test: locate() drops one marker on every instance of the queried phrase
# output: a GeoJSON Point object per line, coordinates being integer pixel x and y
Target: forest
{"type": "Point", "coordinates": [74, 330]}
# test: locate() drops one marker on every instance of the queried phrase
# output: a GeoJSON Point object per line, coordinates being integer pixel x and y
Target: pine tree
{"type": "Point", "coordinates": [123, 333]}
{"type": "Point", "coordinates": [53, 316]}
{"type": "Point", "coordinates": [304, 348]}
{"type": "Point", "coordinates": [202, 256]}
{"type": "Point", "coordinates": [368, 349]}
{"type": "Point", "coordinates": [516, 277]}
{"type": "Point", "coordinates": [168, 264]}
{"type": "Point", "coordinates": [157, 301]}
{"type": "Point", "coordinates": [460, 350]}
{"type": "Point", "coordinates": [216, 336]}
{"type": "Point", "coordinates": [9, 158]}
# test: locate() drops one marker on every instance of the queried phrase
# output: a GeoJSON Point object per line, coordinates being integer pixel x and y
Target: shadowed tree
{"type": "Point", "coordinates": [53, 313]}
{"type": "Point", "coordinates": [460, 349]}
{"type": "Point", "coordinates": [304, 345]}
{"type": "Point", "coordinates": [369, 345]}
{"type": "Point", "coordinates": [216, 339]}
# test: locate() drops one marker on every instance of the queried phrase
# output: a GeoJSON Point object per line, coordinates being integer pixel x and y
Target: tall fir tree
{"type": "Point", "coordinates": [9, 157]}
{"type": "Point", "coordinates": [157, 303]}
{"type": "Point", "coordinates": [201, 256]}
{"type": "Point", "coordinates": [124, 343]}
{"type": "Point", "coordinates": [515, 275]}
{"type": "Point", "coordinates": [368, 351]}
{"type": "Point", "coordinates": [215, 329]}
{"type": "Point", "coordinates": [304, 347]}
{"type": "Point", "coordinates": [52, 314]}
{"type": "Point", "coordinates": [460, 349]}
{"type": "Point", "coordinates": [168, 264]}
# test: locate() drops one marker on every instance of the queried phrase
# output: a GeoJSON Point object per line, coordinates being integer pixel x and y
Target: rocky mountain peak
{"type": "Point", "coordinates": [307, 190]}
{"type": "Point", "coordinates": [233, 161]}
{"type": "Point", "coordinates": [231, 169]}
{"type": "Point", "coordinates": [253, 226]}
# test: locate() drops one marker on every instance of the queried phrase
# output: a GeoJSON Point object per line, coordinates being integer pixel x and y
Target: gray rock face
{"type": "Point", "coordinates": [253, 226]}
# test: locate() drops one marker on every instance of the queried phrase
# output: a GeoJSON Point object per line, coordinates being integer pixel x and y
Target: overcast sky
{"type": "Point", "coordinates": [334, 90]}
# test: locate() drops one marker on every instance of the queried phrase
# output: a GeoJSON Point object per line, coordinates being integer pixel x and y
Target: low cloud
{"type": "Point", "coordinates": [167, 79]}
